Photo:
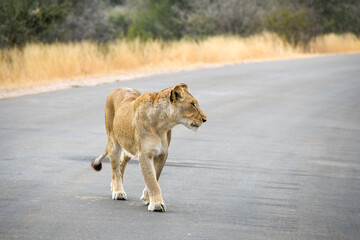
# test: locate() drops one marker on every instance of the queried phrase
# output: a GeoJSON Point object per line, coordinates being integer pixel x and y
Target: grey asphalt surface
{"type": "Point", "coordinates": [279, 158]}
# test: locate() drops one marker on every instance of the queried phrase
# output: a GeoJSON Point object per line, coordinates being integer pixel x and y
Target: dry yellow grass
{"type": "Point", "coordinates": [44, 63]}
{"type": "Point", "coordinates": [333, 43]}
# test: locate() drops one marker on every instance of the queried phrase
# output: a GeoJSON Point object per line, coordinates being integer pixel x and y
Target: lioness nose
{"type": "Point", "coordinates": [203, 119]}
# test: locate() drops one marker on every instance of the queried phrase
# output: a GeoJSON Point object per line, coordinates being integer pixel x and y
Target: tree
{"type": "Point", "coordinates": [337, 16]}
{"type": "Point", "coordinates": [87, 19]}
{"type": "Point", "coordinates": [296, 26]}
{"type": "Point", "coordinates": [157, 19]}
{"type": "Point", "coordinates": [22, 21]}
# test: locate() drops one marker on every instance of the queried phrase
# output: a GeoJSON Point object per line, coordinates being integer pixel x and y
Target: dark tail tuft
{"type": "Point", "coordinates": [96, 167]}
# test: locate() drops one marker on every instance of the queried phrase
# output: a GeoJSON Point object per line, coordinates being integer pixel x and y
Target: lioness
{"type": "Point", "coordinates": [139, 126]}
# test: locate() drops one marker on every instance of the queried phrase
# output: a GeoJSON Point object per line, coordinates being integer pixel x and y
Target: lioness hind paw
{"type": "Point", "coordinates": [119, 196]}
{"type": "Point", "coordinates": [157, 207]}
{"type": "Point", "coordinates": [146, 201]}
{"type": "Point", "coordinates": [145, 197]}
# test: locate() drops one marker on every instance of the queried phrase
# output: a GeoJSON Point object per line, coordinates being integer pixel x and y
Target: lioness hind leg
{"type": "Point", "coordinates": [117, 188]}
{"type": "Point", "coordinates": [145, 196]}
{"type": "Point", "coordinates": [124, 159]}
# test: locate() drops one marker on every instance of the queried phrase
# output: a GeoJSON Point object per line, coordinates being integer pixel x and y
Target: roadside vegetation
{"type": "Point", "coordinates": [45, 41]}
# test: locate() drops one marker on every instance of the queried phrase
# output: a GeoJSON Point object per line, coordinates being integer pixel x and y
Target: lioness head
{"type": "Point", "coordinates": [185, 108]}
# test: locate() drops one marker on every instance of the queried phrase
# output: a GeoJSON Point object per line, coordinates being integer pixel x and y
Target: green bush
{"type": "Point", "coordinates": [294, 26]}
{"type": "Point", "coordinates": [158, 19]}
{"type": "Point", "coordinates": [297, 22]}
{"type": "Point", "coordinates": [121, 21]}
{"type": "Point", "coordinates": [338, 16]}
{"type": "Point", "coordinates": [22, 21]}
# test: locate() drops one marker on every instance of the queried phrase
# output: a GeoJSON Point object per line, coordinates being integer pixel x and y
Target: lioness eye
{"type": "Point", "coordinates": [194, 105]}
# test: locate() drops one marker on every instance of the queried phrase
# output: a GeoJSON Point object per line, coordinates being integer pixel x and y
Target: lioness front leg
{"type": "Point", "coordinates": [154, 192]}
{"type": "Point", "coordinates": [117, 188]}
{"type": "Point", "coordinates": [159, 163]}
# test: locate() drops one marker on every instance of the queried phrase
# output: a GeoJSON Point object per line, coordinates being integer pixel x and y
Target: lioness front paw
{"type": "Point", "coordinates": [157, 207]}
{"type": "Point", "coordinates": [145, 197]}
{"type": "Point", "coordinates": [119, 196]}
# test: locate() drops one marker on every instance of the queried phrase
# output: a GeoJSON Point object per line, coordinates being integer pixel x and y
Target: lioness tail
{"type": "Point", "coordinates": [96, 162]}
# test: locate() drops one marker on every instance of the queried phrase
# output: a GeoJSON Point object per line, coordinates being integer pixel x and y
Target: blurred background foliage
{"type": "Point", "coordinates": [297, 22]}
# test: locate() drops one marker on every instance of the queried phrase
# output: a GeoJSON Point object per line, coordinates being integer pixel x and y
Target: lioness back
{"type": "Point", "coordinates": [121, 96]}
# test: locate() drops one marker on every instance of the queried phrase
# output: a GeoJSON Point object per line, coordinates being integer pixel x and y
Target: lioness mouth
{"type": "Point", "coordinates": [194, 125]}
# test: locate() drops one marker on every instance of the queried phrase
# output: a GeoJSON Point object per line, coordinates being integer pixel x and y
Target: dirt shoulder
{"type": "Point", "coordinates": [92, 81]}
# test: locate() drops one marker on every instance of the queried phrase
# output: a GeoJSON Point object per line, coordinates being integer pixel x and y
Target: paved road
{"type": "Point", "coordinates": [279, 158]}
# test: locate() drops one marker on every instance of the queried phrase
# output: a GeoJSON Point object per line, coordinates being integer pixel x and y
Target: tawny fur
{"type": "Point", "coordinates": [139, 126]}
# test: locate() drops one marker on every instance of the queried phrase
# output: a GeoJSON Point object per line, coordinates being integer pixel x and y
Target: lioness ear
{"type": "Point", "coordinates": [177, 94]}
{"type": "Point", "coordinates": [184, 86]}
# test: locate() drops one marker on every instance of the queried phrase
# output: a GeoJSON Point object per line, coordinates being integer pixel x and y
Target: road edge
{"type": "Point", "coordinates": [93, 81]}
